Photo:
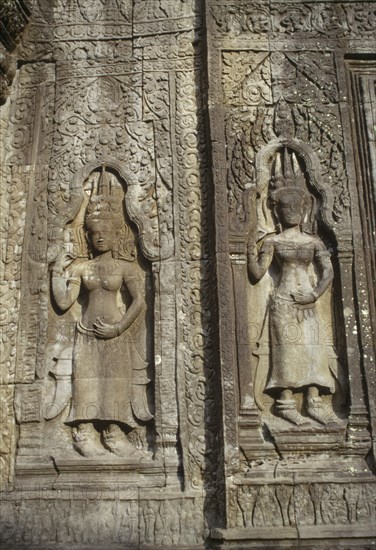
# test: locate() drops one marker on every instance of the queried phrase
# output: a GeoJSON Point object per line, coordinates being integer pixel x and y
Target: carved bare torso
{"type": "Point", "coordinates": [102, 280]}
{"type": "Point", "coordinates": [294, 257]}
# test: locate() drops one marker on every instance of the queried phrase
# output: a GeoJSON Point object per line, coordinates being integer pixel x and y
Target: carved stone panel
{"type": "Point", "coordinates": [187, 356]}
{"type": "Point", "coordinates": [282, 162]}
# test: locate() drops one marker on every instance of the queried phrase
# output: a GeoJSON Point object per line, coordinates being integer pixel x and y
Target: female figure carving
{"type": "Point", "coordinates": [105, 353]}
{"type": "Point", "coordinates": [299, 358]}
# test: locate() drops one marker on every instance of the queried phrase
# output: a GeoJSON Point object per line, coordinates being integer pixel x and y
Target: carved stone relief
{"type": "Point", "coordinates": [363, 92]}
{"type": "Point", "coordinates": [329, 20]}
{"type": "Point", "coordinates": [109, 356]}
{"type": "Point", "coordinates": [184, 275]}
{"type": "Point", "coordinates": [290, 95]}
{"type": "Point", "coordinates": [13, 19]}
{"type": "Point", "coordinates": [281, 148]}
{"type": "Point", "coordinates": [280, 126]}
{"type": "Point", "coordinates": [93, 133]}
{"type": "Point", "coordinates": [295, 333]}
{"type": "Point", "coordinates": [195, 274]}
{"type": "Point", "coordinates": [303, 505]}
{"type": "Point", "coordinates": [158, 523]}
{"type": "Point", "coordinates": [117, 116]}
{"type": "Point", "coordinates": [26, 242]}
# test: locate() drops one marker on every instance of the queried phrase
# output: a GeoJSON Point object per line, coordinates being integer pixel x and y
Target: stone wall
{"type": "Point", "coordinates": [188, 310]}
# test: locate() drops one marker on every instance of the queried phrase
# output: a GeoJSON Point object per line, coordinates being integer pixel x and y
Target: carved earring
{"type": "Point", "coordinates": [88, 240]}
{"type": "Point", "coordinates": [312, 216]}
{"type": "Point", "coordinates": [115, 250]}
{"type": "Point", "coordinates": [279, 226]}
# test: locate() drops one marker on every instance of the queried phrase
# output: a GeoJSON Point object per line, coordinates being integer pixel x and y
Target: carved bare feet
{"type": "Point", "coordinates": [85, 441]}
{"type": "Point", "coordinates": [317, 409]}
{"type": "Point", "coordinates": [115, 440]}
{"type": "Point", "coordinates": [286, 409]}
{"type": "Point", "coordinates": [321, 412]}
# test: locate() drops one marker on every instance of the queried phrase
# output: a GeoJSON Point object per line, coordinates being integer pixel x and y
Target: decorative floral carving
{"type": "Point", "coordinates": [290, 95]}
{"type": "Point", "coordinates": [306, 20]}
{"type": "Point", "coordinates": [7, 437]}
{"type": "Point", "coordinates": [161, 9]}
{"type": "Point", "coordinates": [88, 131]}
{"type": "Point", "coordinates": [24, 313]}
{"type": "Point", "coordinates": [196, 273]}
{"type": "Point", "coordinates": [14, 16]}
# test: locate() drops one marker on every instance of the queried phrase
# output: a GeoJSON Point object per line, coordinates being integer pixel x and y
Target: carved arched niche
{"type": "Point", "coordinates": [294, 350]}
{"type": "Point", "coordinates": [102, 198]}
{"type": "Point", "coordinates": [156, 242]}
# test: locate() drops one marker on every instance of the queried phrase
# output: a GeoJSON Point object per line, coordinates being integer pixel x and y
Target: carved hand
{"type": "Point", "coordinates": [63, 262]}
{"type": "Point", "coordinates": [302, 298]}
{"type": "Point", "coordinates": [104, 330]}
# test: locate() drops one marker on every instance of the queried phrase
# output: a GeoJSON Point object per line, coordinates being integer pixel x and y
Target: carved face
{"type": "Point", "coordinates": [103, 235]}
{"type": "Point", "coordinates": [290, 209]}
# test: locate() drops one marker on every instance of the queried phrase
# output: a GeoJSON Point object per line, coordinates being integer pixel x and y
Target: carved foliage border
{"type": "Point", "coordinates": [23, 317]}
{"type": "Point", "coordinates": [197, 274]}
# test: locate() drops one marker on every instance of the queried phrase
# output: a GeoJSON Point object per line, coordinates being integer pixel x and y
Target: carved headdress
{"type": "Point", "coordinates": [104, 202]}
{"type": "Point", "coordinates": [288, 178]}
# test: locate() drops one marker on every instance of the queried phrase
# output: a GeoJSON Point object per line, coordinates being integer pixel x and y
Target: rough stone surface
{"type": "Point", "coordinates": [188, 311]}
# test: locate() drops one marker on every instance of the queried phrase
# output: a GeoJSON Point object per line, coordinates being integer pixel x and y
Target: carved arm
{"type": "Point", "coordinates": [136, 307]}
{"type": "Point", "coordinates": [65, 286]}
{"type": "Point", "coordinates": [259, 260]}
{"type": "Point", "coordinates": [322, 258]}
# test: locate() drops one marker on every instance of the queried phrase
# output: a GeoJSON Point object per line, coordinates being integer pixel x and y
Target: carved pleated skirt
{"type": "Point", "coordinates": [301, 355]}
{"type": "Point", "coordinates": [102, 378]}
